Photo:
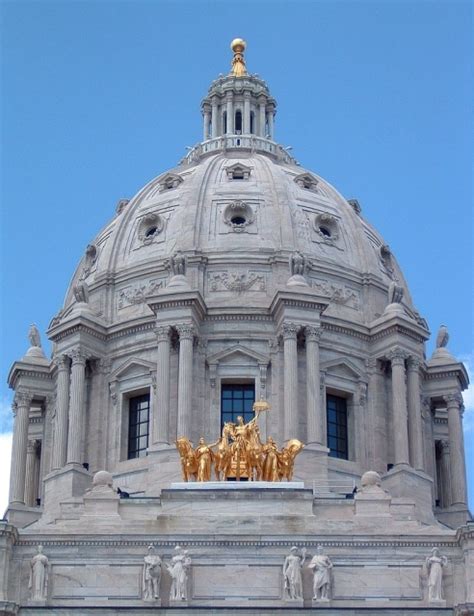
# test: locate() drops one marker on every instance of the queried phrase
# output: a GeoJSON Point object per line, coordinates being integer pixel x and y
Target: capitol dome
{"type": "Point", "coordinates": [234, 277]}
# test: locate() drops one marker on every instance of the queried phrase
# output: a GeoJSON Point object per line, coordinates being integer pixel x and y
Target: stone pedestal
{"type": "Point", "coordinates": [60, 485]}
{"type": "Point", "coordinates": [320, 603]}
{"type": "Point", "coordinates": [405, 481]}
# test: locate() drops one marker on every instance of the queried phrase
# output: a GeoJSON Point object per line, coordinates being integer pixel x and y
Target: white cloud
{"type": "Point", "coordinates": [468, 395]}
{"type": "Point", "coordinates": [6, 415]}
{"type": "Point", "coordinates": [5, 459]}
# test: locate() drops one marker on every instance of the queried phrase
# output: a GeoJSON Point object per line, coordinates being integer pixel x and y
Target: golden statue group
{"type": "Point", "coordinates": [239, 454]}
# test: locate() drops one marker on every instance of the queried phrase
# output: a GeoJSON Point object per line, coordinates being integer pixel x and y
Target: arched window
{"type": "Point", "coordinates": [252, 123]}
{"type": "Point", "coordinates": [238, 122]}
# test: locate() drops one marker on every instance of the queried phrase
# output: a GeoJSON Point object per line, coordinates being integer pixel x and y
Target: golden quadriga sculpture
{"type": "Point", "coordinates": [239, 454]}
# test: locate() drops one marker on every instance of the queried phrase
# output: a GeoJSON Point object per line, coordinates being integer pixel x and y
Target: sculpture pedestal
{"type": "Point", "coordinates": [320, 602]}
{"type": "Point", "coordinates": [295, 603]}
{"type": "Point", "coordinates": [175, 603]}
{"type": "Point", "coordinates": [152, 602]}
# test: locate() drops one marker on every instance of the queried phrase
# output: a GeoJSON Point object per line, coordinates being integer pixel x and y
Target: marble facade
{"type": "Point", "coordinates": [238, 267]}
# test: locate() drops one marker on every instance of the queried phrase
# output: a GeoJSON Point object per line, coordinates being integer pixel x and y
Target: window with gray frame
{"type": "Point", "coordinates": [138, 425]}
{"type": "Point", "coordinates": [336, 412]}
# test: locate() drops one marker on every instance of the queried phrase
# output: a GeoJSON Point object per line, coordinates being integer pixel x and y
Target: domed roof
{"type": "Point", "coordinates": [238, 199]}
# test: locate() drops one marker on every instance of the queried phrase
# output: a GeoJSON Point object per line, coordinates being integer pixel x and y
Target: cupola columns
{"type": "Point", "coordinates": [59, 452]}
{"type": "Point", "coordinates": [160, 430]}
{"type": "Point", "coordinates": [456, 448]}
{"type": "Point", "coordinates": [19, 447]}
{"type": "Point", "coordinates": [76, 407]}
{"type": "Point", "coordinates": [414, 413]}
{"type": "Point", "coordinates": [399, 406]}
{"type": "Point", "coordinates": [290, 384]}
{"type": "Point", "coordinates": [185, 378]}
{"type": "Point", "coordinates": [313, 386]}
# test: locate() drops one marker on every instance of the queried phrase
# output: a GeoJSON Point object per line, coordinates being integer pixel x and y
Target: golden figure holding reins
{"type": "Point", "coordinates": [240, 454]}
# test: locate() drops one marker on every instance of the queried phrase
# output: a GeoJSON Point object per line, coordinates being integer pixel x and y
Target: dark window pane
{"type": "Point", "coordinates": [337, 426]}
{"type": "Point", "coordinates": [138, 426]}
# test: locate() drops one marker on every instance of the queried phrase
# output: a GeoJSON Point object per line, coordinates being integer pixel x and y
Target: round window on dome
{"type": "Point", "coordinates": [238, 220]}
{"type": "Point", "coordinates": [325, 231]}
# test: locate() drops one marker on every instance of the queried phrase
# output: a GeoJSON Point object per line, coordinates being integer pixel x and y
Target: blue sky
{"type": "Point", "coordinates": [99, 97]}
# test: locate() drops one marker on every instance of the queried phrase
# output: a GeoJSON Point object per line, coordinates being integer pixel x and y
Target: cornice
{"type": "Point", "coordinates": [163, 542]}
{"type": "Point", "coordinates": [67, 331]}
{"type": "Point", "coordinates": [398, 329]}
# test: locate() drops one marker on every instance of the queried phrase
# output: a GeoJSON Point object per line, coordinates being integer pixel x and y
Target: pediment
{"type": "Point", "coordinates": [131, 368]}
{"type": "Point", "coordinates": [238, 354]}
{"type": "Point", "coordinates": [343, 369]}
{"type": "Point", "coordinates": [170, 181]}
{"type": "Point", "coordinates": [238, 171]}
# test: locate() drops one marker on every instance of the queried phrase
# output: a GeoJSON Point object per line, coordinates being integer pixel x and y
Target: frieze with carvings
{"type": "Point", "coordinates": [139, 293]}
{"type": "Point", "coordinates": [237, 282]}
{"type": "Point", "coordinates": [339, 294]}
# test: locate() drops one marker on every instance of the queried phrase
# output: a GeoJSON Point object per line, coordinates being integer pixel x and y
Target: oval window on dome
{"type": "Point", "coordinates": [325, 231]}
{"type": "Point", "coordinates": [238, 220]}
{"type": "Point", "coordinates": [151, 231]}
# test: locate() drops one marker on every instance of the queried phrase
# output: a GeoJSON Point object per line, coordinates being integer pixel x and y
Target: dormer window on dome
{"type": "Point", "coordinates": [238, 172]}
{"type": "Point", "coordinates": [170, 181]}
{"type": "Point", "coordinates": [307, 181]}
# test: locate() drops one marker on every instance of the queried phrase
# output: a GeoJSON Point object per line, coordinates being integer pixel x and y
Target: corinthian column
{"type": "Point", "coordinates": [415, 428]}
{"type": "Point", "coordinates": [162, 400]}
{"type": "Point", "coordinates": [230, 113]}
{"type": "Point", "coordinates": [399, 406]}
{"type": "Point", "coordinates": [31, 483]}
{"type": "Point", "coordinates": [246, 118]}
{"type": "Point", "coordinates": [76, 406]}
{"type": "Point", "coordinates": [445, 483]}
{"type": "Point", "coordinates": [261, 121]}
{"type": "Point", "coordinates": [290, 381]}
{"type": "Point", "coordinates": [185, 378]}
{"type": "Point", "coordinates": [59, 451]}
{"type": "Point", "coordinates": [313, 382]}
{"type": "Point", "coordinates": [214, 117]}
{"type": "Point", "coordinates": [20, 441]}
{"type": "Point", "coordinates": [456, 450]}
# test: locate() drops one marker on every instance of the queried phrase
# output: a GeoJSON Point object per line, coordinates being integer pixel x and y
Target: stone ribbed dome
{"type": "Point", "coordinates": [237, 233]}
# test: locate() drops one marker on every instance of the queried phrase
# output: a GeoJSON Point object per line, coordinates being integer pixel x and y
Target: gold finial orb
{"type": "Point", "coordinates": [238, 45]}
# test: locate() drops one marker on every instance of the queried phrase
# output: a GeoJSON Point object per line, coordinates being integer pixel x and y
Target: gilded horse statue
{"type": "Point", "coordinates": [223, 455]}
{"type": "Point", "coordinates": [189, 463]}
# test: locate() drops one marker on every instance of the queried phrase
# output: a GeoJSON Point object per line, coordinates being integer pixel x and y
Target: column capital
{"type": "Point", "coordinates": [78, 356]}
{"type": "Point", "coordinates": [313, 333]}
{"type": "Point", "coordinates": [444, 446]}
{"type": "Point", "coordinates": [23, 398]}
{"type": "Point", "coordinates": [414, 363]}
{"type": "Point", "coordinates": [289, 330]}
{"type": "Point", "coordinates": [162, 333]}
{"type": "Point", "coordinates": [397, 356]}
{"type": "Point", "coordinates": [185, 331]}
{"type": "Point", "coordinates": [453, 400]}
{"type": "Point", "coordinates": [61, 361]}
{"type": "Point", "coordinates": [32, 446]}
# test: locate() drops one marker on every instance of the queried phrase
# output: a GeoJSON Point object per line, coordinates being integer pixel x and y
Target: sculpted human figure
{"type": "Point", "coordinates": [151, 575]}
{"type": "Point", "coordinates": [38, 582]}
{"type": "Point", "coordinates": [34, 336]}
{"type": "Point", "coordinates": [292, 573]}
{"type": "Point", "coordinates": [178, 264]}
{"type": "Point", "coordinates": [297, 263]}
{"type": "Point", "coordinates": [205, 458]}
{"type": "Point", "coordinates": [270, 464]}
{"type": "Point", "coordinates": [178, 570]}
{"type": "Point", "coordinates": [434, 566]}
{"type": "Point", "coordinates": [321, 566]}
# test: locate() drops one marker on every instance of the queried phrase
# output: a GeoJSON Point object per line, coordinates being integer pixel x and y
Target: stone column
{"type": "Point", "coordinates": [456, 447]}
{"type": "Point", "coordinates": [246, 118]}
{"type": "Point", "coordinates": [270, 121]}
{"type": "Point", "coordinates": [76, 407]}
{"type": "Point", "coordinates": [214, 118]}
{"type": "Point", "coordinates": [399, 406]}
{"type": "Point", "coordinates": [185, 378]}
{"type": "Point", "coordinates": [415, 428]}
{"type": "Point", "coordinates": [206, 116]}
{"type": "Point", "coordinates": [230, 113]}
{"type": "Point", "coordinates": [262, 117]}
{"type": "Point", "coordinates": [31, 479]}
{"type": "Point", "coordinates": [59, 452]}
{"type": "Point", "coordinates": [377, 424]}
{"type": "Point", "coordinates": [19, 446]}
{"type": "Point", "coordinates": [290, 381]}
{"type": "Point", "coordinates": [160, 430]}
{"type": "Point", "coordinates": [313, 383]}
{"type": "Point", "coordinates": [445, 479]}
